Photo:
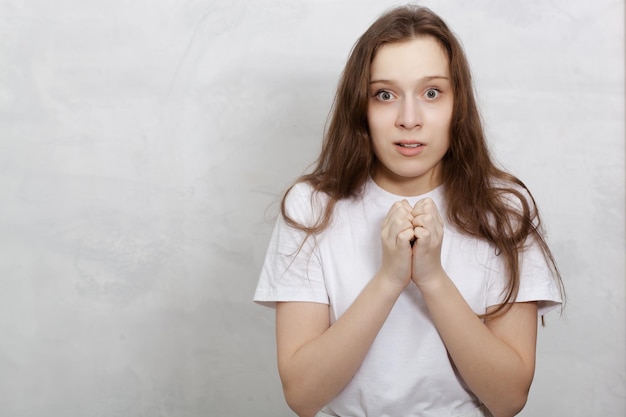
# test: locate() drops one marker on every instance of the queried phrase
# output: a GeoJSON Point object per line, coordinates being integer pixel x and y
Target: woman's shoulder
{"type": "Point", "coordinates": [302, 192]}
{"type": "Point", "coordinates": [517, 202]}
{"type": "Point", "coordinates": [513, 192]}
{"type": "Point", "coordinates": [303, 203]}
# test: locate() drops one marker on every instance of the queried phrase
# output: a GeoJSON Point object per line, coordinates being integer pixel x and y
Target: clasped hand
{"type": "Point", "coordinates": [411, 242]}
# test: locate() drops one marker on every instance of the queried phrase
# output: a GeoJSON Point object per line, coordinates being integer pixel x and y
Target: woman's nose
{"type": "Point", "coordinates": [409, 114]}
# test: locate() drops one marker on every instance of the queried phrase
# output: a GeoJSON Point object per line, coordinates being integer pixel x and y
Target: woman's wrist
{"type": "Point", "coordinates": [387, 286]}
{"type": "Point", "coordinates": [433, 283]}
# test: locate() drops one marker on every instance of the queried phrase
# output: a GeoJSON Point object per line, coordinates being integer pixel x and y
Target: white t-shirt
{"type": "Point", "coordinates": [407, 370]}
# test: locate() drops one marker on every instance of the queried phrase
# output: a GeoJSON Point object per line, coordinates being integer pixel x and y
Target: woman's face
{"type": "Point", "coordinates": [409, 114]}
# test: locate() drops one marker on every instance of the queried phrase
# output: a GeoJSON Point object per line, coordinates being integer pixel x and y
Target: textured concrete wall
{"type": "Point", "coordinates": [144, 144]}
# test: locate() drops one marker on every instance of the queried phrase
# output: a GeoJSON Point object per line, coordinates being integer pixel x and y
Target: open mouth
{"type": "Point", "coordinates": [409, 148]}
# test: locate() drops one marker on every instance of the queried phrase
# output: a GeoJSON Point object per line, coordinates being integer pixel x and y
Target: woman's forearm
{"type": "Point", "coordinates": [499, 373]}
{"type": "Point", "coordinates": [317, 371]}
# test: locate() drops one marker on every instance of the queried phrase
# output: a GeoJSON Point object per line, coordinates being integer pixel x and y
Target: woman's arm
{"type": "Point", "coordinates": [496, 358]}
{"type": "Point", "coordinates": [317, 360]}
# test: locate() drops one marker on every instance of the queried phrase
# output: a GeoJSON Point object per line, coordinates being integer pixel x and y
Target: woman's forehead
{"type": "Point", "coordinates": [419, 57]}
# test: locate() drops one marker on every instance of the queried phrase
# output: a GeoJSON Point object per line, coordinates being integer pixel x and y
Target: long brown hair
{"type": "Point", "coordinates": [478, 194]}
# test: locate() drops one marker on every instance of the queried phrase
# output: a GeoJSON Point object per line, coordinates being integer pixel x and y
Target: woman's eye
{"type": "Point", "coordinates": [384, 95]}
{"type": "Point", "coordinates": [432, 93]}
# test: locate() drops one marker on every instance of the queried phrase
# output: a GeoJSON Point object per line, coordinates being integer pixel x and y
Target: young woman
{"type": "Point", "coordinates": [407, 270]}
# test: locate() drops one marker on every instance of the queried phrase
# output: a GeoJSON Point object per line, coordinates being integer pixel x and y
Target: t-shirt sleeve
{"type": "Point", "coordinates": [537, 281]}
{"type": "Point", "coordinates": [292, 269]}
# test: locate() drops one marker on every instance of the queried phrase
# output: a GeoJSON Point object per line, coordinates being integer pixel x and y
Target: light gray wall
{"type": "Point", "coordinates": [144, 145]}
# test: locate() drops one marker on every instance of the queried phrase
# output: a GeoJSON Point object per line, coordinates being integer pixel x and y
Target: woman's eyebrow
{"type": "Point", "coordinates": [423, 79]}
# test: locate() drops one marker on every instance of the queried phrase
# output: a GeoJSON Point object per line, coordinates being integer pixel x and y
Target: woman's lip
{"type": "Point", "coordinates": [409, 150]}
